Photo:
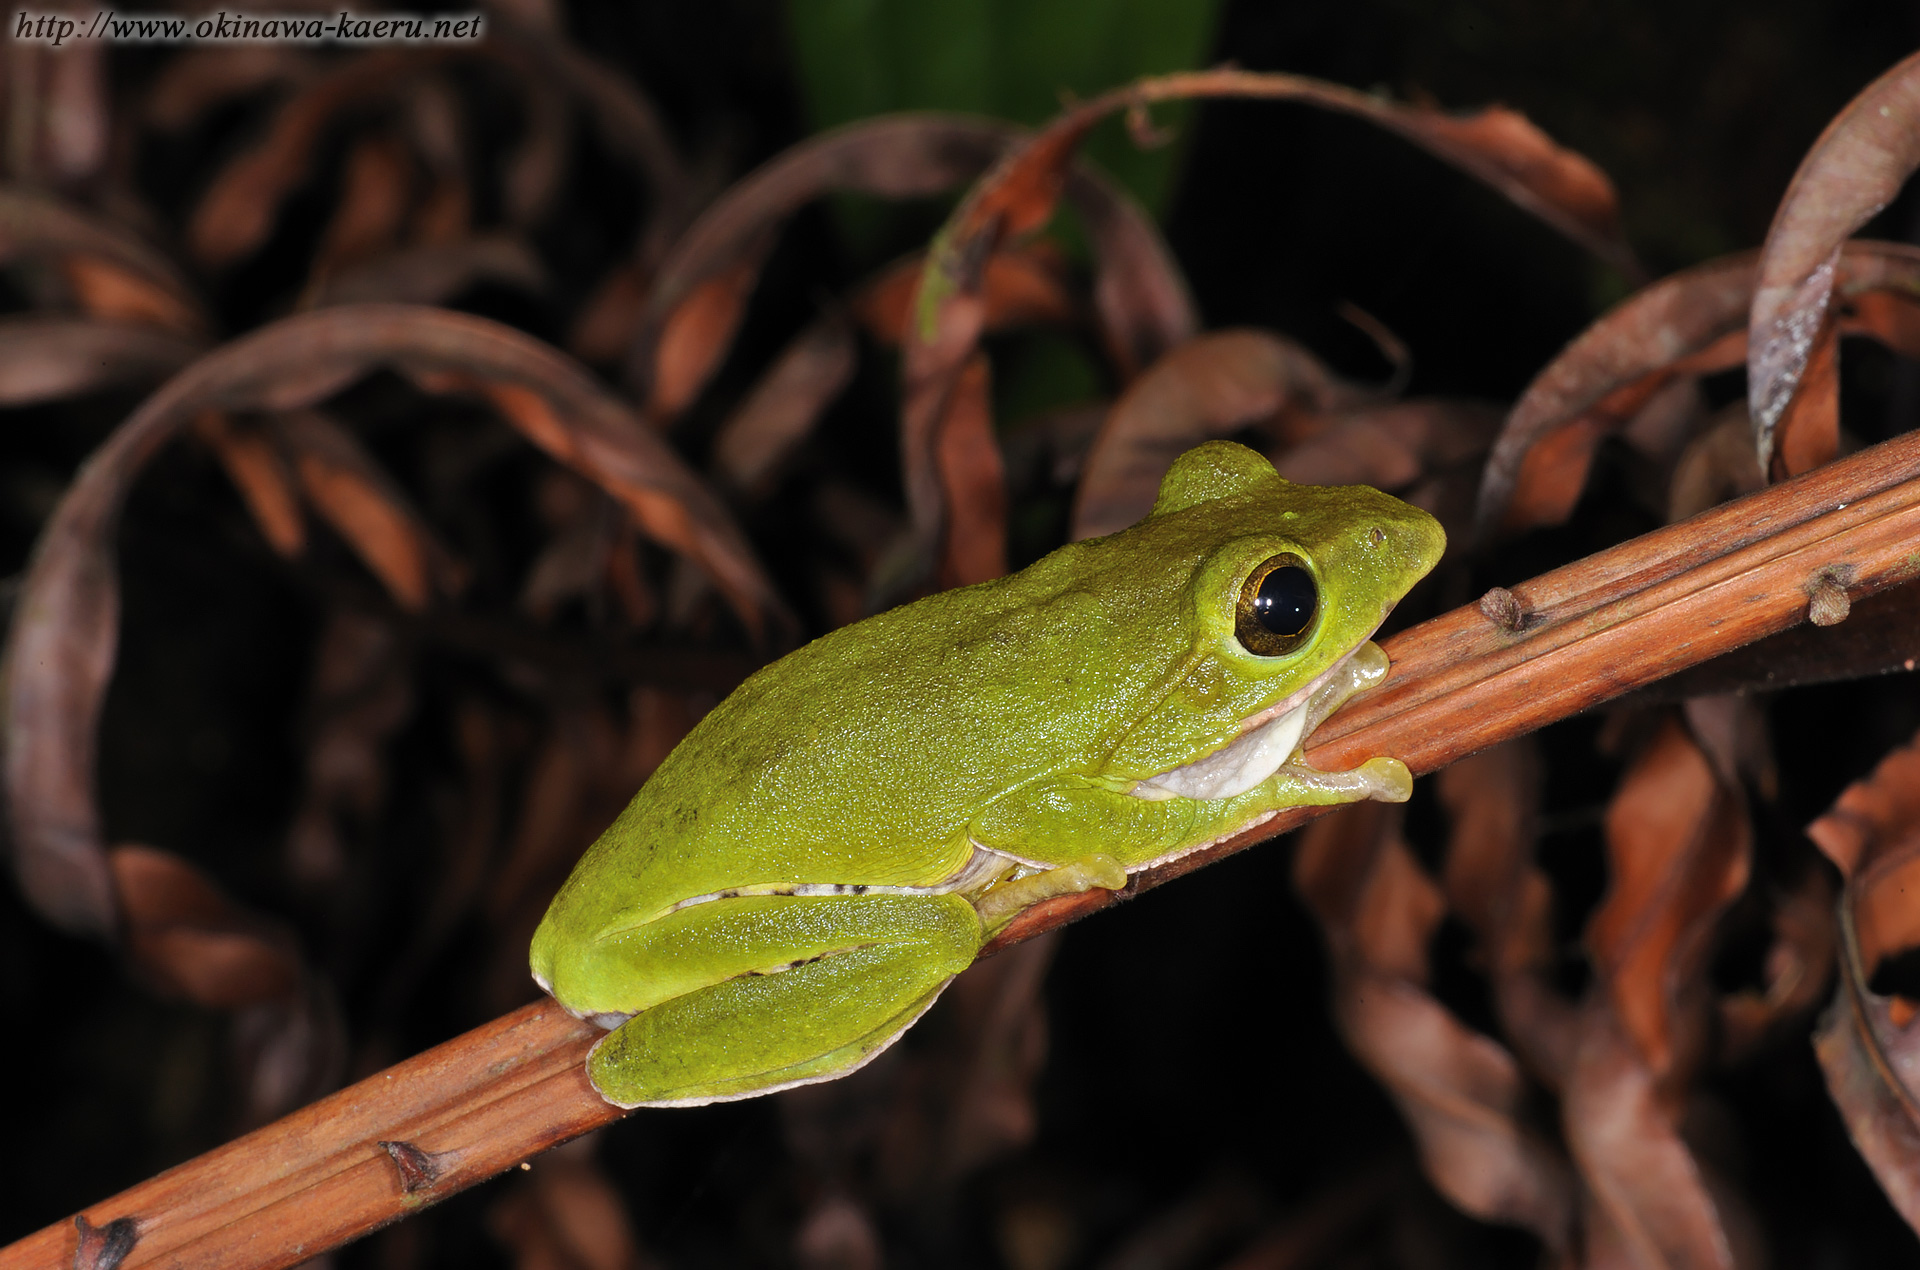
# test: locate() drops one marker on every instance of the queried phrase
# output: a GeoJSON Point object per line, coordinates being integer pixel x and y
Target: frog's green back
{"type": "Point", "coordinates": [860, 758]}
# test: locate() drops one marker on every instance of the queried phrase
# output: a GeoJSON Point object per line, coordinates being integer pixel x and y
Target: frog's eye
{"type": "Point", "coordinates": [1277, 606]}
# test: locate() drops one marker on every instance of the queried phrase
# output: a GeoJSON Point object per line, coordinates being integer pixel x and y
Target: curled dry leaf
{"type": "Point", "coordinates": [1023, 284]}
{"type": "Point", "coordinates": [756, 440]}
{"type": "Point", "coordinates": [1867, 1044]}
{"type": "Point", "coordinates": [1679, 848]}
{"type": "Point", "coordinates": [108, 272]}
{"type": "Point", "coordinates": [897, 157]}
{"type": "Point", "coordinates": [376, 192]}
{"type": "Point", "coordinates": [351, 492]}
{"type": "Point", "coordinates": [1492, 801]}
{"type": "Point", "coordinates": [1852, 171]}
{"type": "Point", "coordinates": [1497, 145]}
{"type": "Point", "coordinates": [1461, 1092]}
{"type": "Point", "coordinates": [1715, 466]}
{"type": "Point", "coordinates": [46, 359]}
{"type": "Point", "coordinates": [1798, 965]}
{"type": "Point", "coordinates": [695, 336]}
{"type": "Point", "coordinates": [1140, 299]}
{"type": "Point", "coordinates": [191, 941]}
{"type": "Point", "coordinates": [1427, 451]}
{"type": "Point", "coordinates": [1611, 377]}
{"type": "Point", "coordinates": [434, 274]}
{"type": "Point", "coordinates": [66, 621]}
{"type": "Point", "coordinates": [237, 211]}
{"type": "Point", "coordinates": [973, 482]}
{"type": "Point", "coordinates": [1687, 323]}
{"type": "Point", "coordinates": [1020, 193]}
{"type": "Point", "coordinates": [258, 469]}
{"type": "Point", "coordinates": [1648, 1203]}
{"type": "Point", "coordinates": [235, 214]}
{"type": "Point", "coordinates": [1211, 386]}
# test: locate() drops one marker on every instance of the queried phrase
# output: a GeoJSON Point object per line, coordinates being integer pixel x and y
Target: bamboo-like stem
{"type": "Point", "coordinates": [1549, 648]}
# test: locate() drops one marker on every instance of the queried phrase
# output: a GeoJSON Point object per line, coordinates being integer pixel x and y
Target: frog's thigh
{"type": "Point", "coordinates": [760, 1032]}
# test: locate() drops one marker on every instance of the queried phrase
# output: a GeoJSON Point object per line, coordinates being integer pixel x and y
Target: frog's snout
{"type": "Point", "coordinates": [1417, 538]}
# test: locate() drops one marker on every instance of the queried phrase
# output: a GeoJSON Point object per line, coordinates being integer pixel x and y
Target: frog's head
{"type": "Point", "coordinates": [1283, 584]}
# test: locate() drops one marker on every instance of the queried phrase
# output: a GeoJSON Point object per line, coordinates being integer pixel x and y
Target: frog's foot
{"type": "Point", "coordinates": [822, 1018]}
{"type": "Point", "coordinates": [1382, 779]}
{"type": "Point", "coordinates": [1271, 740]}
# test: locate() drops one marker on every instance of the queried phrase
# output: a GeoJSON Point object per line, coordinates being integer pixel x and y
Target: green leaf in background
{"type": "Point", "coordinates": [1008, 58]}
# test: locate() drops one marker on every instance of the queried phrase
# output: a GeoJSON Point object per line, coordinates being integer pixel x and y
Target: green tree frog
{"type": "Point", "coordinates": [838, 838]}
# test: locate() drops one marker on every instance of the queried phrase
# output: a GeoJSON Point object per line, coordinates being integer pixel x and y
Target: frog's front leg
{"type": "Point", "coordinates": [1143, 822]}
{"type": "Point", "coordinates": [796, 989]}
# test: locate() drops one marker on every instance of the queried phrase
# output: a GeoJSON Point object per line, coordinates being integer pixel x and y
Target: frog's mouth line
{"type": "Point", "coordinates": [1266, 741]}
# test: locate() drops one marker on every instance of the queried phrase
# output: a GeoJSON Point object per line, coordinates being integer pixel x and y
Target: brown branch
{"type": "Point", "coordinates": [1542, 651]}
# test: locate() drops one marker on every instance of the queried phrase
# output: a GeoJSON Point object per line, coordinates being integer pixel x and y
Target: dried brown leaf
{"type": "Point", "coordinates": [1731, 729]}
{"type": "Point", "coordinates": [46, 359]}
{"type": "Point", "coordinates": [1798, 965]}
{"type": "Point", "coordinates": [695, 336]}
{"type": "Point", "coordinates": [1428, 451]}
{"type": "Point", "coordinates": [1461, 1092]}
{"type": "Point", "coordinates": [1022, 285]}
{"type": "Point", "coordinates": [1807, 433]}
{"type": "Point", "coordinates": [1139, 297]}
{"type": "Point", "coordinates": [351, 492]}
{"type": "Point", "coordinates": [34, 225]}
{"type": "Point", "coordinates": [1649, 1204]}
{"type": "Point", "coordinates": [973, 483]}
{"type": "Point", "coordinates": [112, 292]}
{"type": "Point", "coordinates": [236, 213]}
{"type": "Point", "coordinates": [1679, 847]}
{"type": "Point", "coordinates": [188, 939]}
{"type": "Point", "coordinates": [1211, 386]}
{"type": "Point", "coordinates": [1715, 466]}
{"type": "Point", "coordinates": [1867, 1052]}
{"type": "Point", "coordinates": [1599, 381]}
{"type": "Point", "coordinates": [606, 323]}
{"type": "Point", "coordinates": [259, 471]}
{"type": "Point", "coordinates": [67, 617]}
{"type": "Point", "coordinates": [896, 156]}
{"type": "Point", "coordinates": [376, 190]}
{"type": "Point", "coordinates": [1683, 326]}
{"type": "Point", "coordinates": [761, 434]}
{"type": "Point", "coordinates": [1495, 144]}
{"type": "Point", "coordinates": [1492, 801]}
{"type": "Point", "coordinates": [434, 274]}
{"type": "Point", "coordinates": [1851, 171]}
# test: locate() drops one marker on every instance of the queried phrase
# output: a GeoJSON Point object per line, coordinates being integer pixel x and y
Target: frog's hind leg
{"type": "Point", "coordinates": [758, 1033]}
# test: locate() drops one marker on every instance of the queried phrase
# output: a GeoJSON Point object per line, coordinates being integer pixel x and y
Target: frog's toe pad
{"type": "Point", "coordinates": [1387, 780]}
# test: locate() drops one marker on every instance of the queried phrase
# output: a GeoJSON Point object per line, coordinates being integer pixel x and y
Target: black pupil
{"type": "Point", "coordinates": [1286, 600]}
